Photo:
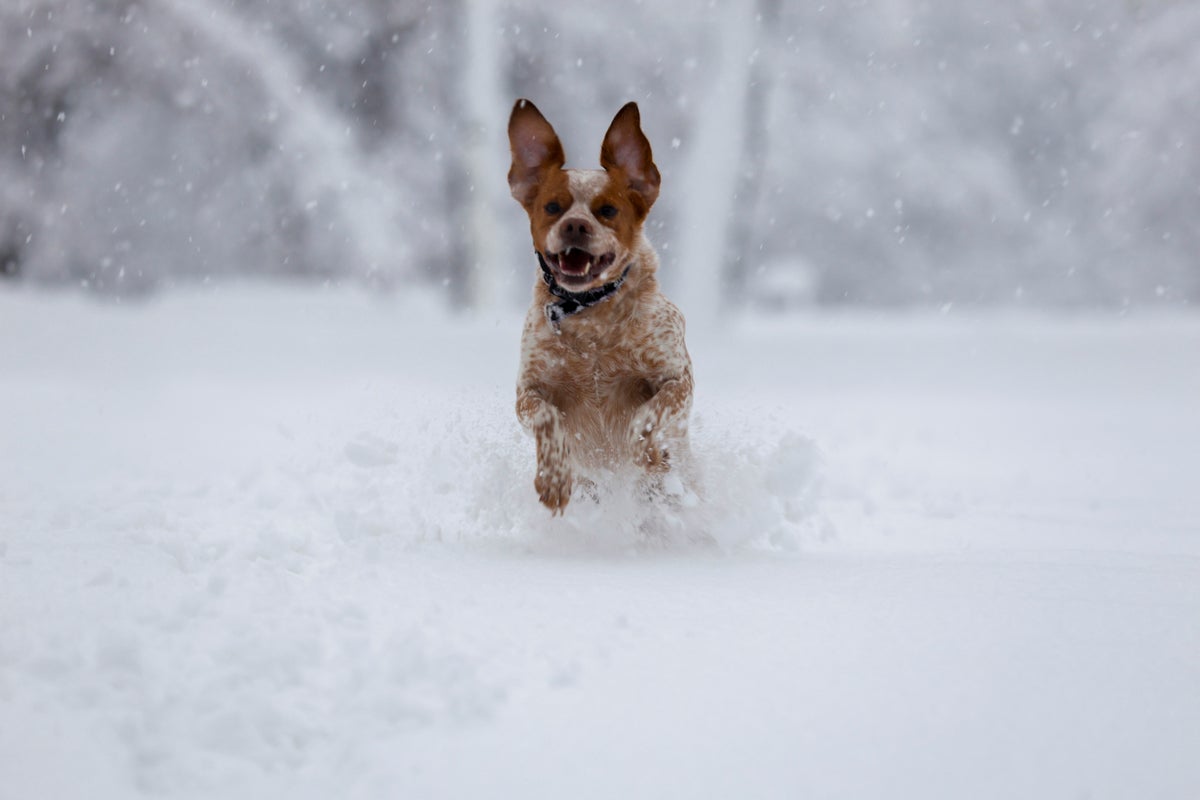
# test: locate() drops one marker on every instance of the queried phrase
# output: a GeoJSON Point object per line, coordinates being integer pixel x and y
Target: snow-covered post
{"type": "Point", "coordinates": [742, 254]}
{"type": "Point", "coordinates": [490, 279]}
{"type": "Point", "coordinates": [710, 180]}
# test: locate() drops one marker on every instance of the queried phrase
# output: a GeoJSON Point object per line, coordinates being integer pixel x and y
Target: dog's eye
{"type": "Point", "coordinates": [553, 208]}
{"type": "Point", "coordinates": [607, 211]}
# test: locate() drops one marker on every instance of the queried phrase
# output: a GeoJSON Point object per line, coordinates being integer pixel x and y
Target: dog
{"type": "Point", "coordinates": [605, 377]}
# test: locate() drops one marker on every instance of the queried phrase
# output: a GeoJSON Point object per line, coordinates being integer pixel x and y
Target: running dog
{"type": "Point", "coordinates": [605, 377]}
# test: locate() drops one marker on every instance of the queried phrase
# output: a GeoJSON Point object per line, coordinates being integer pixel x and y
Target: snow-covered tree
{"type": "Point", "coordinates": [892, 152]}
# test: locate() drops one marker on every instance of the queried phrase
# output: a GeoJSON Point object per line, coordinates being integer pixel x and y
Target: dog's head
{"type": "Point", "coordinates": [585, 222]}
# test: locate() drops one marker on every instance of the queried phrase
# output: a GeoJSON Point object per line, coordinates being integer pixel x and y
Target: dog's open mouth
{"type": "Point", "coordinates": [576, 265]}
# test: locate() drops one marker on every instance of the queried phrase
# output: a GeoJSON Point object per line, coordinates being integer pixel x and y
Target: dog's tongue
{"type": "Point", "coordinates": [575, 261]}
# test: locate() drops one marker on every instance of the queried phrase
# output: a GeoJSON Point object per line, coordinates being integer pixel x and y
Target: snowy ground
{"type": "Point", "coordinates": [284, 543]}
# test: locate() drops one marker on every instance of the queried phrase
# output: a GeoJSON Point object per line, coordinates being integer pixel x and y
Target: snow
{"type": "Point", "coordinates": [281, 542]}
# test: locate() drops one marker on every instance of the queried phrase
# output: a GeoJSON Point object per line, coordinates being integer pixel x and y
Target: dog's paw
{"type": "Point", "coordinates": [653, 457]}
{"type": "Point", "coordinates": [554, 479]}
{"type": "Point", "coordinates": [553, 486]}
{"type": "Point", "coordinates": [646, 443]}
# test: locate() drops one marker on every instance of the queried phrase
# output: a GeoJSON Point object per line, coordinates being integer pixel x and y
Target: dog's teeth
{"type": "Point", "coordinates": [567, 252]}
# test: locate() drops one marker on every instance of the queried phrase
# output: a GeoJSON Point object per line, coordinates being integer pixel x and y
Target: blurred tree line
{"type": "Point", "coordinates": [900, 152]}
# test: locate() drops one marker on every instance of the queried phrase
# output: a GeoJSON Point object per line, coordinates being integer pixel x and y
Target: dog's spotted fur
{"type": "Point", "coordinates": [612, 384]}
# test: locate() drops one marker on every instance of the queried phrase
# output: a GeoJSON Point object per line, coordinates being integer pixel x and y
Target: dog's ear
{"type": "Point", "coordinates": [535, 149]}
{"type": "Point", "coordinates": [627, 150]}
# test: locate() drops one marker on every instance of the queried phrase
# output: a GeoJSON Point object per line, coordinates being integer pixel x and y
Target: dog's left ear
{"type": "Point", "coordinates": [627, 150]}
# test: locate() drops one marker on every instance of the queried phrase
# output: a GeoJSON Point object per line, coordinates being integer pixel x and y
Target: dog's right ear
{"type": "Point", "coordinates": [535, 149]}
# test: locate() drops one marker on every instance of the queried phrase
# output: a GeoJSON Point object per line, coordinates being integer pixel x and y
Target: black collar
{"type": "Point", "coordinates": [573, 302]}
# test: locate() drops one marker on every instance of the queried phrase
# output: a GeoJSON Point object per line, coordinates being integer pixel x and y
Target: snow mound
{"type": "Point", "coordinates": [254, 621]}
{"type": "Point", "coordinates": [465, 475]}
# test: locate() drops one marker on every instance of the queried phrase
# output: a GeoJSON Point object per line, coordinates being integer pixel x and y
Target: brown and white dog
{"type": "Point", "coordinates": [605, 377]}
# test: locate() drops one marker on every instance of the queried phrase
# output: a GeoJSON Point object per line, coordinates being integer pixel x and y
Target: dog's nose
{"type": "Point", "coordinates": [577, 226]}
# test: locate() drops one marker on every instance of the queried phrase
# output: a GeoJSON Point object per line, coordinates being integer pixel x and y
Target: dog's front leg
{"type": "Point", "coordinates": [553, 480]}
{"type": "Point", "coordinates": [661, 418]}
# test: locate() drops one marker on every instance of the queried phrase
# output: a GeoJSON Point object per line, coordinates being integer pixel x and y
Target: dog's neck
{"type": "Point", "coordinates": [569, 302]}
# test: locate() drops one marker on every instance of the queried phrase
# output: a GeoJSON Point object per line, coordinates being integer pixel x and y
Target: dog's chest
{"type": "Point", "coordinates": [591, 372]}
